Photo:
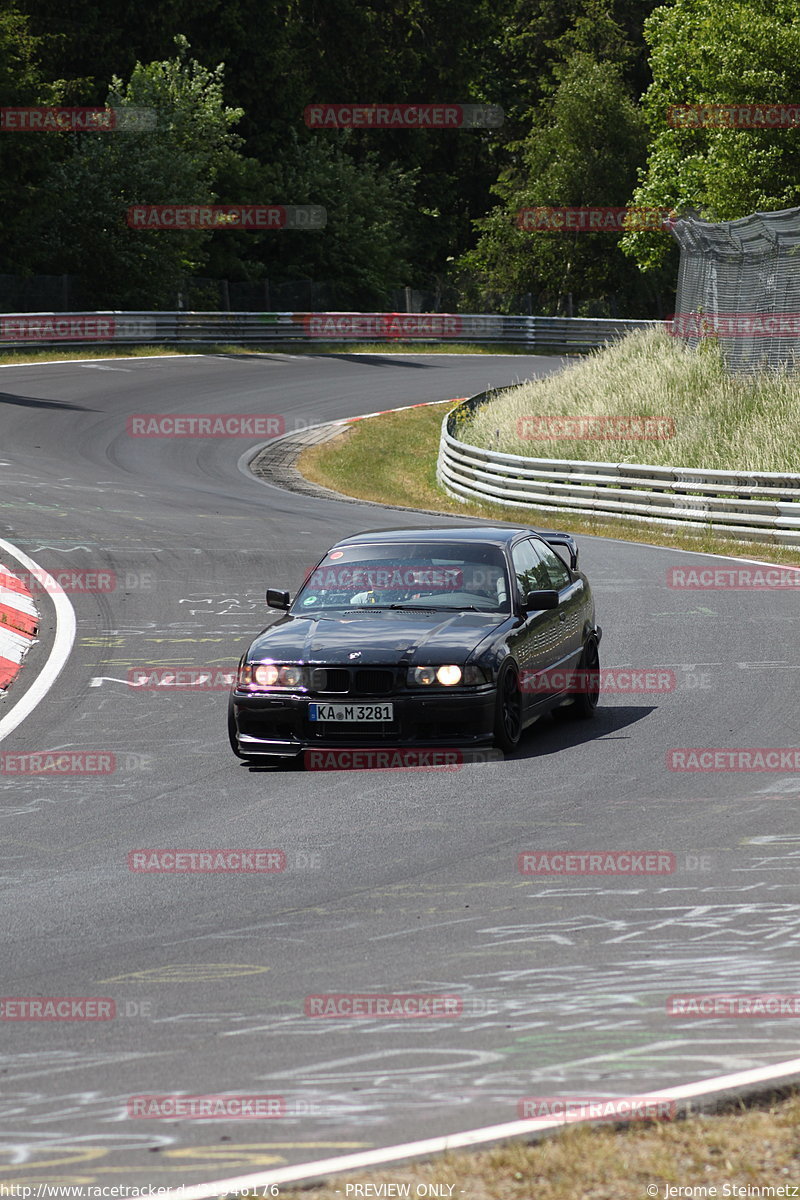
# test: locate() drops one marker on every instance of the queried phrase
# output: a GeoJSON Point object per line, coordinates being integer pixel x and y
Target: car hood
{"type": "Point", "coordinates": [379, 638]}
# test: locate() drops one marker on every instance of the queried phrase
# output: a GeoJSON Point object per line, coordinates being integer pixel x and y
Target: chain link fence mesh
{"type": "Point", "coordinates": [739, 281]}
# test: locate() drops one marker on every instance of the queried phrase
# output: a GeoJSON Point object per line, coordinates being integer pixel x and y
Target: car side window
{"type": "Point", "coordinates": [555, 569]}
{"type": "Point", "coordinates": [529, 570]}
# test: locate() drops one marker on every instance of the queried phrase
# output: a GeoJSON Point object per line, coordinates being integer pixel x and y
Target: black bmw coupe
{"type": "Point", "coordinates": [456, 636]}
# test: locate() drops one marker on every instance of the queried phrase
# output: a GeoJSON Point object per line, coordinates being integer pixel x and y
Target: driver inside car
{"type": "Point", "coordinates": [415, 580]}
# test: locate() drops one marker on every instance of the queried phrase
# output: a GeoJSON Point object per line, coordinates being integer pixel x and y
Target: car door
{"type": "Point", "coordinates": [536, 639]}
{"type": "Point", "coordinates": [572, 603]}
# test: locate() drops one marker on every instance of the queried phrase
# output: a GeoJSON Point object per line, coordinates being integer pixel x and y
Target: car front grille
{"type": "Point", "coordinates": [373, 682]}
{"type": "Point", "coordinates": [330, 679]}
{"type": "Point", "coordinates": [359, 681]}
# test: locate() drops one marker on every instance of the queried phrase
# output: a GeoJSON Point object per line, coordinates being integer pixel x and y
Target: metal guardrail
{"type": "Point", "coordinates": [763, 505]}
{"type": "Point", "coordinates": [258, 328]}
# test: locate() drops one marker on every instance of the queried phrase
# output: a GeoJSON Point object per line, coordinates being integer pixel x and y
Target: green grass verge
{"type": "Point", "coordinates": [391, 459]}
{"type": "Point", "coordinates": [750, 1149]}
{"type": "Point", "coordinates": [714, 420]}
{"type": "Point", "coordinates": [68, 353]}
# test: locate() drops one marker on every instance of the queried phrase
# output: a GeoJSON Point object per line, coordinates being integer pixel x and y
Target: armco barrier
{"type": "Point", "coordinates": [763, 505]}
{"type": "Point", "coordinates": [253, 328]}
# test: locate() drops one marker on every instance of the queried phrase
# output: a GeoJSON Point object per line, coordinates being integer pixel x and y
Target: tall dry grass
{"type": "Point", "coordinates": [719, 421]}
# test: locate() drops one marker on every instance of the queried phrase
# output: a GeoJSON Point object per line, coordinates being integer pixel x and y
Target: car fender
{"type": "Point", "coordinates": [492, 651]}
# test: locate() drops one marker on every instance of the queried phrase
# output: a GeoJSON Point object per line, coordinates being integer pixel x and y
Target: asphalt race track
{"type": "Point", "coordinates": [396, 881]}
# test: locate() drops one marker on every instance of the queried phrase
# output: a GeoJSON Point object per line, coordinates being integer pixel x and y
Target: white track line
{"type": "Point", "coordinates": [473, 1137]}
{"type": "Point", "coordinates": [62, 643]}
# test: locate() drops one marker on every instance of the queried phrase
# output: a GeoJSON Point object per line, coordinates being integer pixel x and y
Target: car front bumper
{"type": "Point", "coordinates": [278, 725]}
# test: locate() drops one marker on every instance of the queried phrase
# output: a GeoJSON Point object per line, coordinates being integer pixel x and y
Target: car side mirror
{"type": "Point", "coordinates": [538, 600]}
{"type": "Point", "coordinates": [276, 599]}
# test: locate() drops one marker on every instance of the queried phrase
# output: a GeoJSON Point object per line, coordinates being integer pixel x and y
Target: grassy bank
{"type": "Point", "coordinates": [711, 419]}
{"type": "Point", "coordinates": [391, 459]}
{"type": "Point", "coordinates": [751, 1149]}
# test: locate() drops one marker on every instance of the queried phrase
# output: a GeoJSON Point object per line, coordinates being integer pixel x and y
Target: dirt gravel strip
{"type": "Point", "coordinates": [274, 461]}
{"type": "Point", "coordinates": [19, 624]}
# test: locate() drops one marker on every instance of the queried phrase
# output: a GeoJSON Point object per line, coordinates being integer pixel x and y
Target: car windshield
{"type": "Point", "coordinates": [408, 575]}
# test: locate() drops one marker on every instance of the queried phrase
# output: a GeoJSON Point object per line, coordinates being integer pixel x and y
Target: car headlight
{"type": "Point", "coordinates": [265, 674]}
{"type": "Point", "coordinates": [447, 675]}
{"type": "Point", "coordinates": [290, 676]}
{"type": "Point", "coordinates": [270, 675]}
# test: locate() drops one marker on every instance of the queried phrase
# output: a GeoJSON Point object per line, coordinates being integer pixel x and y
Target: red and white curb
{"type": "Point", "coordinates": [15, 641]}
{"type": "Point", "coordinates": [19, 624]}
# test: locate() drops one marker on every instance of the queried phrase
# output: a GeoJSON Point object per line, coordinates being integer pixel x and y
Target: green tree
{"type": "Point", "coordinates": [703, 52]}
{"type": "Point", "coordinates": [281, 55]}
{"type": "Point", "coordinates": [584, 153]}
{"type": "Point", "coordinates": [538, 36]}
{"type": "Point", "coordinates": [177, 163]}
{"type": "Point", "coordinates": [413, 50]}
{"type": "Point", "coordinates": [25, 158]}
{"type": "Point", "coordinates": [362, 254]}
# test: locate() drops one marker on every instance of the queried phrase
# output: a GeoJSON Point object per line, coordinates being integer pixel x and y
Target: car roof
{"type": "Point", "coordinates": [495, 534]}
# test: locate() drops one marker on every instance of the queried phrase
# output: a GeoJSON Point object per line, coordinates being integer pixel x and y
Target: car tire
{"type": "Point", "coordinates": [584, 701]}
{"type": "Point", "coordinates": [508, 710]}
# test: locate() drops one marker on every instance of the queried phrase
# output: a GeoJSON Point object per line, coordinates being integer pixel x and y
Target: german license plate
{"type": "Point", "coordinates": [351, 712]}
